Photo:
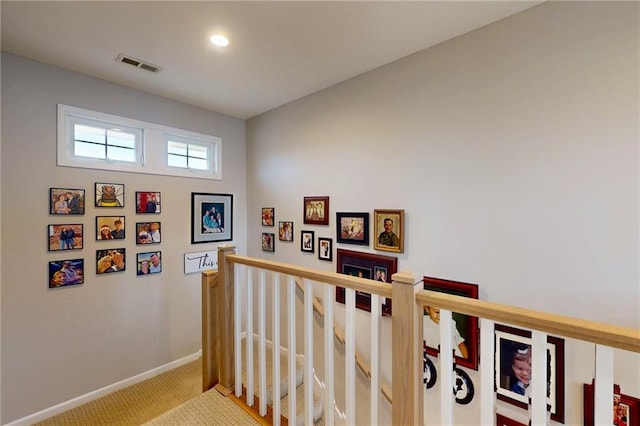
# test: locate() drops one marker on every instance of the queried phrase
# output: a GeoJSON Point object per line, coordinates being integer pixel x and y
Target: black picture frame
{"type": "Point", "coordinates": [148, 202]}
{"type": "Point", "coordinates": [110, 228]}
{"type": "Point", "coordinates": [148, 263]}
{"type": "Point", "coordinates": [66, 201]}
{"type": "Point", "coordinates": [111, 260]}
{"type": "Point", "coordinates": [221, 227]}
{"type": "Point", "coordinates": [109, 195]}
{"type": "Point", "coordinates": [268, 216]}
{"type": "Point", "coordinates": [466, 325]}
{"type": "Point", "coordinates": [268, 242]}
{"type": "Point", "coordinates": [148, 233]}
{"type": "Point", "coordinates": [285, 231]}
{"type": "Point", "coordinates": [365, 265]}
{"type": "Point", "coordinates": [325, 249]}
{"type": "Point", "coordinates": [68, 272]}
{"type": "Point", "coordinates": [352, 228]}
{"type": "Point", "coordinates": [510, 341]}
{"type": "Point", "coordinates": [307, 241]}
{"type": "Point", "coordinates": [59, 239]}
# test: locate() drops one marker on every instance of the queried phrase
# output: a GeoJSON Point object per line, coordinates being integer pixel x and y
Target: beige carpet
{"type": "Point", "coordinates": [144, 401]}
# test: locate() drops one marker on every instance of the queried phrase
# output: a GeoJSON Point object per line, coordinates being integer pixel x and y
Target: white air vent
{"type": "Point", "coordinates": [137, 63]}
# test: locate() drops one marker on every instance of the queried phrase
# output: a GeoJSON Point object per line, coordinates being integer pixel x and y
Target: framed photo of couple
{"type": "Point", "coordinates": [68, 236]}
{"type": "Point", "coordinates": [513, 369]}
{"type": "Point", "coordinates": [211, 217]}
{"type": "Point", "coordinates": [66, 201]}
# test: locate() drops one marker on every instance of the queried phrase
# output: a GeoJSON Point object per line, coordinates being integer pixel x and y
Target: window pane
{"type": "Point", "coordinates": [198, 164]}
{"type": "Point", "coordinates": [198, 151]}
{"type": "Point", "coordinates": [121, 154]}
{"type": "Point", "coordinates": [89, 134]}
{"type": "Point", "coordinates": [177, 148]}
{"type": "Point", "coordinates": [177, 161]}
{"type": "Point", "coordinates": [83, 149]}
{"type": "Point", "coordinates": [125, 140]}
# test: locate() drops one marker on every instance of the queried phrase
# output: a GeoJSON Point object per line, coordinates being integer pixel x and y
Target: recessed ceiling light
{"type": "Point", "coordinates": [219, 40]}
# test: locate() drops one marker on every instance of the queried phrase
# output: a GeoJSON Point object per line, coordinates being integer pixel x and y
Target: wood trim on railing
{"type": "Point", "coordinates": [589, 331]}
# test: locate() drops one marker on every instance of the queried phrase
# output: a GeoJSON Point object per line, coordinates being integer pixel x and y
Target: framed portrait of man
{"type": "Point", "coordinates": [388, 230]}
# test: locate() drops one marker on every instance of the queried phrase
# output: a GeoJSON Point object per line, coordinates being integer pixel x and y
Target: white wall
{"type": "Point", "coordinates": [62, 343]}
{"type": "Point", "coordinates": [514, 152]}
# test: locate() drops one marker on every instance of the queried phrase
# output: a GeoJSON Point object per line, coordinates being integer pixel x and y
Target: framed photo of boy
{"type": "Point", "coordinates": [388, 229]}
{"type": "Point", "coordinates": [66, 272]}
{"type": "Point", "coordinates": [110, 228]}
{"type": "Point", "coordinates": [513, 369]}
{"type": "Point", "coordinates": [211, 217]}
{"type": "Point", "coordinates": [315, 210]}
{"type": "Point", "coordinates": [268, 214]}
{"type": "Point", "coordinates": [66, 236]}
{"type": "Point", "coordinates": [325, 249]}
{"type": "Point", "coordinates": [306, 241]}
{"type": "Point", "coordinates": [352, 228]}
{"type": "Point", "coordinates": [147, 202]}
{"type": "Point", "coordinates": [365, 265]}
{"type": "Point", "coordinates": [148, 233]}
{"type": "Point", "coordinates": [110, 260]}
{"type": "Point", "coordinates": [626, 409]}
{"type": "Point", "coordinates": [268, 242]}
{"type": "Point", "coordinates": [285, 231]}
{"type": "Point", "coordinates": [465, 331]}
{"type": "Point", "coordinates": [149, 263]}
{"type": "Point", "coordinates": [109, 194]}
{"type": "Point", "coordinates": [66, 201]}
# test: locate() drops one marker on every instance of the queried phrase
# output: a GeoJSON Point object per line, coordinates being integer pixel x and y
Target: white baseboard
{"type": "Point", "coordinates": [88, 397]}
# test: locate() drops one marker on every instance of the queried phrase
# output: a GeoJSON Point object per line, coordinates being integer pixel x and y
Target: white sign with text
{"type": "Point", "coordinates": [200, 261]}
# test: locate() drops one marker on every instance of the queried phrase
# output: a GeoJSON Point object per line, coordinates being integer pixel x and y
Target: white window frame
{"type": "Point", "coordinates": [151, 146]}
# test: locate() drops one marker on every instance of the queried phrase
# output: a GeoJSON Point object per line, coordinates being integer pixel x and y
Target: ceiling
{"type": "Point", "coordinates": [280, 51]}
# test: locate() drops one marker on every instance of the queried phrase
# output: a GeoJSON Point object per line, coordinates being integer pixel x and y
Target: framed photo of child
{"type": "Point", "coordinates": [306, 241]}
{"type": "Point", "coordinates": [513, 369]}
{"type": "Point", "coordinates": [626, 409]}
{"type": "Point", "coordinates": [465, 332]}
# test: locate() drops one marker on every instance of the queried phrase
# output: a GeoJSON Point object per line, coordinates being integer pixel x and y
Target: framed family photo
{"type": "Point", "coordinates": [268, 242]}
{"type": "Point", "coordinates": [110, 228]}
{"type": "Point", "coordinates": [66, 272]}
{"type": "Point", "coordinates": [352, 228]}
{"type": "Point", "coordinates": [626, 409]}
{"type": "Point", "coordinates": [315, 210]}
{"type": "Point", "coordinates": [211, 217]}
{"type": "Point", "coordinates": [325, 249]}
{"type": "Point", "coordinates": [110, 260]}
{"type": "Point", "coordinates": [285, 231]}
{"type": "Point", "coordinates": [66, 201]}
{"type": "Point", "coordinates": [306, 241]}
{"type": "Point", "coordinates": [268, 214]}
{"type": "Point", "coordinates": [149, 263]}
{"type": "Point", "coordinates": [513, 369]}
{"type": "Point", "coordinates": [388, 230]}
{"type": "Point", "coordinates": [465, 332]}
{"type": "Point", "coordinates": [148, 233]}
{"type": "Point", "coordinates": [365, 265]}
{"type": "Point", "coordinates": [66, 236]}
{"type": "Point", "coordinates": [147, 202]}
{"type": "Point", "coordinates": [109, 194]}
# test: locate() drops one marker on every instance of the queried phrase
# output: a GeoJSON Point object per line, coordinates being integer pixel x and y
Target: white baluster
{"type": "Point", "coordinates": [350, 356]}
{"type": "Point", "coordinates": [487, 351]}
{"type": "Point", "coordinates": [446, 368]}
{"type": "Point", "coordinates": [375, 357]}
{"type": "Point", "coordinates": [276, 349]}
{"type": "Point", "coordinates": [538, 378]}
{"type": "Point", "coordinates": [262, 349]}
{"type": "Point", "coordinates": [249, 337]}
{"type": "Point", "coordinates": [291, 328]}
{"type": "Point", "coordinates": [329, 394]}
{"type": "Point", "coordinates": [603, 392]}
{"type": "Point", "coordinates": [238, 329]}
{"type": "Point", "coordinates": [308, 352]}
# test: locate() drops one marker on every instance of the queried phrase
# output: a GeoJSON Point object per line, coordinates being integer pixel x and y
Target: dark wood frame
{"type": "Point", "coordinates": [350, 261]}
{"type": "Point", "coordinates": [271, 248]}
{"type": "Point", "coordinates": [139, 204]}
{"type": "Point", "coordinates": [139, 228]}
{"type": "Point", "coordinates": [556, 354]}
{"type": "Point", "coordinates": [56, 265]}
{"type": "Point", "coordinates": [100, 221]}
{"type": "Point", "coordinates": [53, 237]}
{"type": "Point", "coordinates": [119, 196]}
{"type": "Point", "coordinates": [506, 421]}
{"type": "Point", "coordinates": [273, 216]}
{"type": "Point", "coordinates": [378, 227]}
{"type": "Point", "coordinates": [54, 193]}
{"type": "Point", "coordinates": [312, 239]}
{"type": "Point", "coordinates": [222, 202]}
{"type": "Point", "coordinates": [633, 415]}
{"type": "Point", "coordinates": [468, 323]}
{"type": "Point", "coordinates": [342, 237]}
{"type": "Point", "coordinates": [324, 220]}
{"type": "Point", "coordinates": [328, 258]}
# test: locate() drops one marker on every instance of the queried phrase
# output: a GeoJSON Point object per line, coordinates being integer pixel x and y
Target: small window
{"type": "Point", "coordinates": [104, 143]}
{"type": "Point", "coordinates": [185, 154]}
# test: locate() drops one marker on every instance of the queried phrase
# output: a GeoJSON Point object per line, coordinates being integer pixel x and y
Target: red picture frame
{"type": "Point", "coordinates": [630, 405]}
{"type": "Point", "coordinates": [506, 421]}
{"type": "Point", "coordinates": [315, 210]}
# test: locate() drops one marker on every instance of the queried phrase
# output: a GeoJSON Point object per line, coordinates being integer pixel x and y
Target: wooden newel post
{"type": "Point", "coordinates": [407, 387]}
{"type": "Point", "coordinates": [224, 321]}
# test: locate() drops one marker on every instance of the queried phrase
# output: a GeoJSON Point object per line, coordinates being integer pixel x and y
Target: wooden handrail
{"type": "Point", "coordinates": [364, 366]}
{"type": "Point", "coordinates": [589, 331]}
